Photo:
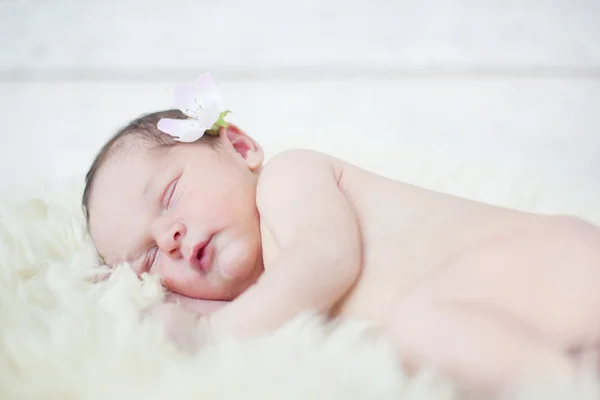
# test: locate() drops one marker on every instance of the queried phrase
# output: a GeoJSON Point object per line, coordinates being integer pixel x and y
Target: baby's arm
{"type": "Point", "coordinates": [320, 250]}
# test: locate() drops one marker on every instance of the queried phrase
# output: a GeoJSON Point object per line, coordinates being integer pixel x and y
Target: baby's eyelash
{"type": "Point", "coordinates": [150, 259]}
{"type": "Point", "coordinates": [168, 194]}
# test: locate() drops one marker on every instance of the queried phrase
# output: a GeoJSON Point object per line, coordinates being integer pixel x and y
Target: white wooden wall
{"type": "Point", "coordinates": [492, 77]}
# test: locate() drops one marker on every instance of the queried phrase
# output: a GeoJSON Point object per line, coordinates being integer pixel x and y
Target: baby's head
{"type": "Point", "coordinates": [184, 211]}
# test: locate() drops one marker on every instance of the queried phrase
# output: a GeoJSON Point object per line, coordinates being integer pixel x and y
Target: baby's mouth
{"type": "Point", "coordinates": [201, 257]}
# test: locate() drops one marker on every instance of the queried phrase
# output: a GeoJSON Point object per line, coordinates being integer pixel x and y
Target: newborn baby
{"type": "Point", "coordinates": [487, 295]}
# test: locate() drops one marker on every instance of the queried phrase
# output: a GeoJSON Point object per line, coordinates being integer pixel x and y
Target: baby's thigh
{"type": "Point", "coordinates": [545, 278]}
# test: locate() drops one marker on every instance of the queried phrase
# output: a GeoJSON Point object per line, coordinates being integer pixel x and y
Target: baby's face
{"type": "Point", "coordinates": [187, 213]}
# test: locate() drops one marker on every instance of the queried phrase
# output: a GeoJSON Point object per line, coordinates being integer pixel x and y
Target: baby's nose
{"type": "Point", "coordinates": [169, 239]}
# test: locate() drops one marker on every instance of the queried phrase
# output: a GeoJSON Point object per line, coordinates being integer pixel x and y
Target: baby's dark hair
{"type": "Point", "coordinates": [145, 128]}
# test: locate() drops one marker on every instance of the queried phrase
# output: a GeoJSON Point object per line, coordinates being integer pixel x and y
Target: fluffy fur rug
{"type": "Point", "coordinates": [64, 338]}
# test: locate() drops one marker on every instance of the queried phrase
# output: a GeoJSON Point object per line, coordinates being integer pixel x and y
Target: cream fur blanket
{"type": "Point", "coordinates": [64, 338]}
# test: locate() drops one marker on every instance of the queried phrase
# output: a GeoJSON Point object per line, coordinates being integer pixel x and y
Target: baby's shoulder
{"type": "Point", "coordinates": [297, 165]}
{"type": "Point", "coordinates": [292, 172]}
{"type": "Point", "coordinates": [295, 158]}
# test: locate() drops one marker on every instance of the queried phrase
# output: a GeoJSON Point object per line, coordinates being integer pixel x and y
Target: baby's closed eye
{"type": "Point", "coordinates": [153, 252]}
{"type": "Point", "coordinates": [151, 258]}
{"type": "Point", "coordinates": [168, 194]}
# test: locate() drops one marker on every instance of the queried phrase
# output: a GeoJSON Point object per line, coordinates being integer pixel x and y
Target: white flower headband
{"type": "Point", "coordinates": [202, 103]}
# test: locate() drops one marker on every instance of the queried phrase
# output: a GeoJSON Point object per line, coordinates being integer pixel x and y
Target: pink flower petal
{"type": "Point", "coordinates": [183, 130]}
{"type": "Point", "coordinates": [185, 99]}
{"type": "Point", "coordinates": [206, 86]}
{"type": "Point", "coordinates": [205, 82]}
{"type": "Point", "coordinates": [210, 114]}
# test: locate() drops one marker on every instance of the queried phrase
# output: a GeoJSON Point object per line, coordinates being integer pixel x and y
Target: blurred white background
{"type": "Point", "coordinates": [482, 79]}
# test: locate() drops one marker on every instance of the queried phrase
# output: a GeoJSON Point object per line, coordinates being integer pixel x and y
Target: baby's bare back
{"type": "Point", "coordinates": [486, 293]}
{"type": "Point", "coordinates": [542, 269]}
{"type": "Point", "coordinates": [408, 233]}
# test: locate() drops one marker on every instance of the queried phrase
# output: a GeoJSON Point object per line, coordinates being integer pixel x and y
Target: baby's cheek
{"type": "Point", "coordinates": [233, 259]}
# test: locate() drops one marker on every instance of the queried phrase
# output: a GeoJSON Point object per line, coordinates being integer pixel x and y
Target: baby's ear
{"type": "Point", "coordinates": [244, 145]}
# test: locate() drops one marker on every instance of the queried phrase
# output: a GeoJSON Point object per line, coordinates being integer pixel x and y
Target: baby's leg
{"type": "Point", "coordinates": [482, 350]}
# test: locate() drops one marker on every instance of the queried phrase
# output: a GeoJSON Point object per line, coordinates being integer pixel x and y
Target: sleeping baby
{"type": "Point", "coordinates": [487, 295]}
